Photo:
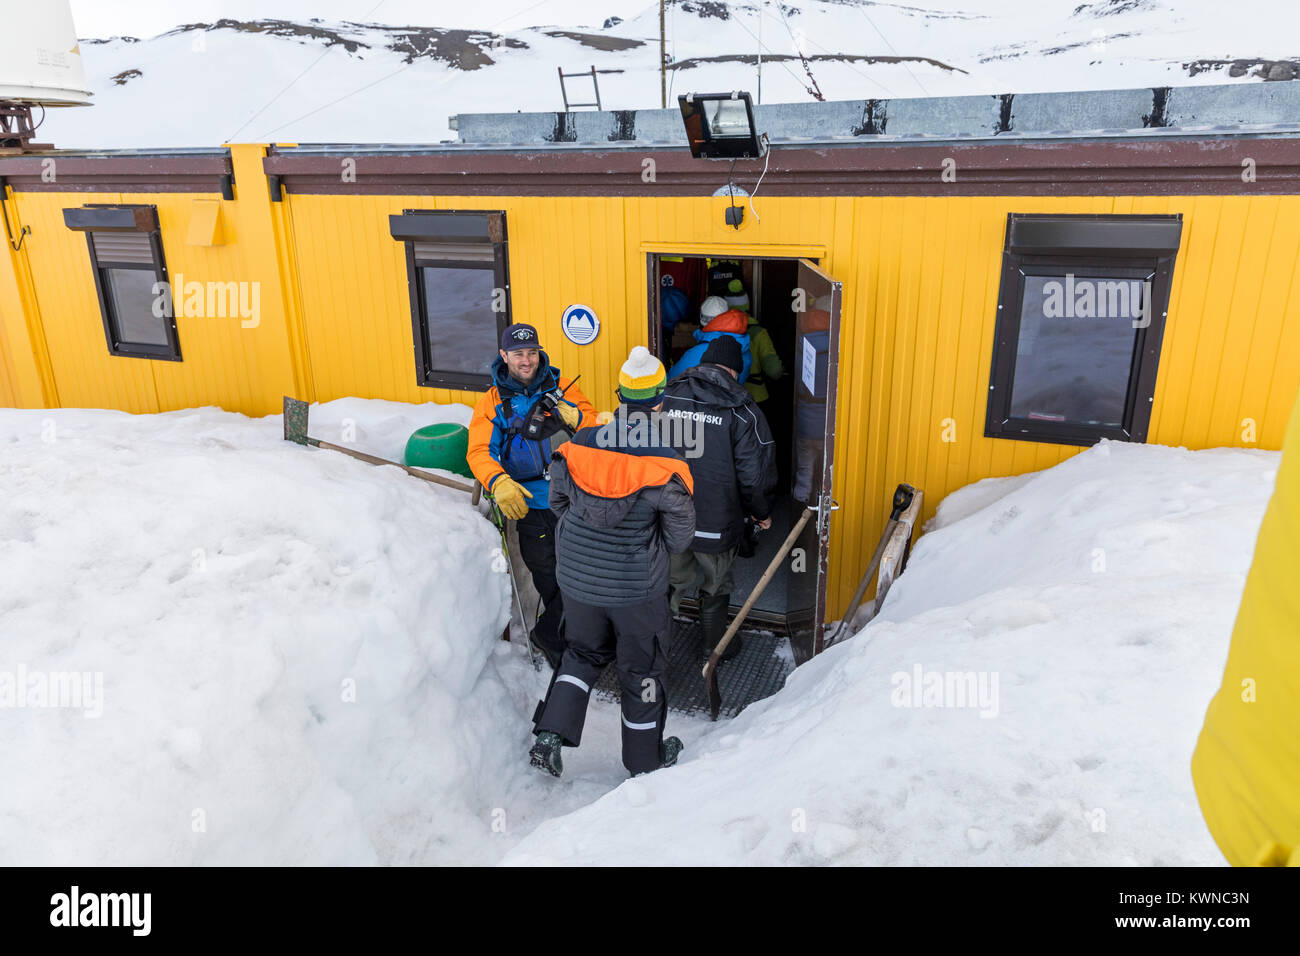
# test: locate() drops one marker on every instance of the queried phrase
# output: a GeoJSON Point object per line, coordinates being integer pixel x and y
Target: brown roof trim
{"type": "Point", "coordinates": [134, 174]}
{"type": "Point", "coordinates": [1186, 166]}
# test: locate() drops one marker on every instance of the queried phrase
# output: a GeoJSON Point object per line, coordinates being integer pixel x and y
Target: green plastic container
{"type": "Point", "coordinates": [444, 445]}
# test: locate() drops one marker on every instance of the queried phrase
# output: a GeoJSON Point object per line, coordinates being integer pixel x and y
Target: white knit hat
{"type": "Point", "coordinates": [713, 307]}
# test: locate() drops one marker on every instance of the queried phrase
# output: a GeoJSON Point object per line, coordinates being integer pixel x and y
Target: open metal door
{"type": "Point", "coordinates": [816, 363]}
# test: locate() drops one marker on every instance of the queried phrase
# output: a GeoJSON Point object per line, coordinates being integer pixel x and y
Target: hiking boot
{"type": "Point", "coordinates": [671, 748]}
{"type": "Point", "coordinates": [546, 753]}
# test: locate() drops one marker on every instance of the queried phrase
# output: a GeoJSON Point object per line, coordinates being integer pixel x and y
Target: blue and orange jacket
{"type": "Point", "coordinates": [494, 451]}
{"type": "Point", "coordinates": [734, 323]}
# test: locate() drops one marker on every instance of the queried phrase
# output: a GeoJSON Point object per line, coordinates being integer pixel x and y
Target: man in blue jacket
{"type": "Point", "coordinates": [514, 468]}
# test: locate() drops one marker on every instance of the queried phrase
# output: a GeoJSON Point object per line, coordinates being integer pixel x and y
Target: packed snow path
{"type": "Point", "coordinates": [298, 662]}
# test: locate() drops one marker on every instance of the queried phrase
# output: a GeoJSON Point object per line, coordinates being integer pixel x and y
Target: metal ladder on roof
{"type": "Point", "coordinates": [595, 85]}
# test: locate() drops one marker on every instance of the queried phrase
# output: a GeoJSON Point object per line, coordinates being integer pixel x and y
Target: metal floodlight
{"type": "Point", "coordinates": [720, 125]}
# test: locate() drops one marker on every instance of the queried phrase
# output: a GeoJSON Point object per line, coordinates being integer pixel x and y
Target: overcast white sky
{"type": "Point", "coordinates": [146, 18]}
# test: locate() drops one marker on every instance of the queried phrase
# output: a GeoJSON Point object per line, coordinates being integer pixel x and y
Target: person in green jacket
{"type": "Point", "coordinates": [767, 364]}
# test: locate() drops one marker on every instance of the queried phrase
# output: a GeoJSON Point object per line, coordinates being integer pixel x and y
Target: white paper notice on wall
{"type": "Point", "coordinates": [809, 367]}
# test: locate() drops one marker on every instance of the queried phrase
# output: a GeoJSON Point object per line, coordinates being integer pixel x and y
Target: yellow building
{"type": "Point", "coordinates": [956, 308]}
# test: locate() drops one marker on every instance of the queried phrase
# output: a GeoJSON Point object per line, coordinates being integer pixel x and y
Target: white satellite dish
{"type": "Point", "coordinates": [40, 65]}
{"type": "Point", "coordinates": [40, 59]}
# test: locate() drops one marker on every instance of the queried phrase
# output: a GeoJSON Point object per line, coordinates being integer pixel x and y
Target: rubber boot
{"type": "Point", "coordinates": [713, 624]}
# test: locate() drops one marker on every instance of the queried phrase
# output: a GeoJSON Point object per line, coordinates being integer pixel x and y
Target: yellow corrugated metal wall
{"type": "Point", "coordinates": [26, 380]}
{"type": "Point", "coordinates": [10, 333]}
{"type": "Point", "coordinates": [86, 375]}
{"type": "Point", "coordinates": [920, 293]}
{"type": "Point", "coordinates": [240, 368]}
{"type": "Point", "coordinates": [1231, 349]}
{"type": "Point", "coordinates": [357, 311]}
{"type": "Point", "coordinates": [920, 314]}
{"type": "Point", "coordinates": [8, 385]}
{"type": "Point", "coordinates": [15, 339]}
{"type": "Point", "coordinates": [920, 280]}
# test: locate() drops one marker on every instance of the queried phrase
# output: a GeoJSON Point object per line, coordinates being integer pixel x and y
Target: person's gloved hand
{"type": "Point", "coordinates": [569, 414]}
{"type": "Point", "coordinates": [604, 418]}
{"type": "Point", "coordinates": [510, 495]}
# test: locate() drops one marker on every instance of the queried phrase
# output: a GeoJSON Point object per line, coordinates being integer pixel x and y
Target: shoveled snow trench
{"type": "Point", "coordinates": [235, 650]}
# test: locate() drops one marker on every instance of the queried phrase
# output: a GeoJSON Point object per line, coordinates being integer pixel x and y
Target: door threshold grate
{"type": "Point", "coordinates": [758, 671]}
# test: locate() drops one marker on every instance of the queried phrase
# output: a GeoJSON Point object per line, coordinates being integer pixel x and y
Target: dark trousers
{"type": "Point", "coordinates": [634, 639]}
{"type": "Point", "coordinates": [537, 547]}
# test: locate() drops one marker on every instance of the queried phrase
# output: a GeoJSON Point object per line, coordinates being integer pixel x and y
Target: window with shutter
{"type": "Point", "coordinates": [1081, 315]}
{"type": "Point", "coordinates": [459, 286]}
{"type": "Point", "coordinates": [126, 258]}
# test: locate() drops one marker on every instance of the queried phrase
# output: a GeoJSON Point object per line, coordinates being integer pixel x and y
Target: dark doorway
{"type": "Point", "coordinates": [769, 290]}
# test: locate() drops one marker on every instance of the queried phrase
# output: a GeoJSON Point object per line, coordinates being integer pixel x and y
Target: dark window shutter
{"type": "Point", "coordinates": [130, 247]}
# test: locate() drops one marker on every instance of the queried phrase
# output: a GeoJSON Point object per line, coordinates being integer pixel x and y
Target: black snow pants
{"type": "Point", "coordinates": [633, 637]}
{"type": "Point", "coordinates": [537, 547]}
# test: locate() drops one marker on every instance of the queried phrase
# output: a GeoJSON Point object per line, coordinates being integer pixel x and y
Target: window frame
{"type": "Point", "coordinates": [126, 218]}
{"type": "Point", "coordinates": [433, 225]}
{"type": "Point", "coordinates": [1056, 256]}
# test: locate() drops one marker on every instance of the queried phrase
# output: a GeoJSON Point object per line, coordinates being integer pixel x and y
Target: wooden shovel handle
{"type": "Point", "coordinates": [414, 472]}
{"type": "Point", "coordinates": [755, 594]}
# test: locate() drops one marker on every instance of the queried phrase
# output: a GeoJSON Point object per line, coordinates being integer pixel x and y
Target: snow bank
{"type": "Point", "coordinates": [1076, 620]}
{"type": "Point", "coordinates": [293, 657]}
{"type": "Point", "coordinates": [289, 644]}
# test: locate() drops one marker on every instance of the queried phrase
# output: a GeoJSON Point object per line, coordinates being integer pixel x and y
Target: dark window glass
{"type": "Point", "coordinates": [458, 277]}
{"type": "Point", "coordinates": [1074, 353]}
{"type": "Point", "coordinates": [459, 321]}
{"type": "Point", "coordinates": [131, 301]}
{"type": "Point", "coordinates": [1081, 314]}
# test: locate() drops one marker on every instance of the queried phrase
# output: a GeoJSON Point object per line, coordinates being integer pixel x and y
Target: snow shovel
{"type": "Point", "coordinates": [295, 430]}
{"type": "Point", "coordinates": [902, 501]}
{"type": "Point", "coordinates": [711, 666]}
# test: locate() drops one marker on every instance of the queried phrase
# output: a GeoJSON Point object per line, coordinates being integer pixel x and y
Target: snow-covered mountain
{"type": "Point", "coordinates": [204, 72]}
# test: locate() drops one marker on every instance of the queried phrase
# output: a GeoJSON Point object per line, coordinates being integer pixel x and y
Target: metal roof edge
{"type": "Point", "coordinates": [1142, 111]}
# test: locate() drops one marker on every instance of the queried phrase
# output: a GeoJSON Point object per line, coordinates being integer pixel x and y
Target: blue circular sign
{"type": "Point", "coordinates": [580, 324]}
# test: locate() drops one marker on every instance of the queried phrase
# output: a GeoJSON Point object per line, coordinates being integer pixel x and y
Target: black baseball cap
{"type": "Point", "coordinates": [519, 336]}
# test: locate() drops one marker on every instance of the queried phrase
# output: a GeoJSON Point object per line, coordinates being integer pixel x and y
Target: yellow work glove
{"type": "Point", "coordinates": [569, 414]}
{"type": "Point", "coordinates": [510, 495]}
{"type": "Point", "coordinates": [604, 418]}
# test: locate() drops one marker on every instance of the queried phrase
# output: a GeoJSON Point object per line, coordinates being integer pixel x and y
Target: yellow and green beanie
{"type": "Point", "coordinates": [642, 379]}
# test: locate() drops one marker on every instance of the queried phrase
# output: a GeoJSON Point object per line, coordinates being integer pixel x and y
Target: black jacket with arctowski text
{"type": "Point", "coordinates": [735, 472]}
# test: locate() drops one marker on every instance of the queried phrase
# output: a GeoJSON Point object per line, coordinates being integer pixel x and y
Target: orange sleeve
{"type": "Point", "coordinates": [584, 404]}
{"type": "Point", "coordinates": [479, 456]}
